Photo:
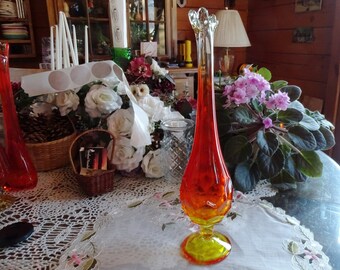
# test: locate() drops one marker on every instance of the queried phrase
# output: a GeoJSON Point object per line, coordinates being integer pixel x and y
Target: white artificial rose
{"type": "Point", "coordinates": [152, 164]}
{"type": "Point", "coordinates": [101, 100]}
{"type": "Point", "coordinates": [140, 90]}
{"type": "Point", "coordinates": [66, 101]}
{"type": "Point", "coordinates": [111, 81]}
{"type": "Point", "coordinates": [153, 106]}
{"type": "Point", "coordinates": [157, 69]}
{"type": "Point", "coordinates": [120, 123]}
{"type": "Point", "coordinates": [126, 157]}
{"type": "Point", "coordinates": [48, 98]}
{"type": "Point", "coordinates": [122, 88]}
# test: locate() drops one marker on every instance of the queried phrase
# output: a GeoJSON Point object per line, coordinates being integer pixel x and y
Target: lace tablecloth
{"type": "Point", "coordinates": [140, 226]}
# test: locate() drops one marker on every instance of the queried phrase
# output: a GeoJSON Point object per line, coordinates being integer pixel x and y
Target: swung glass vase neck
{"type": "Point", "coordinates": [206, 188]}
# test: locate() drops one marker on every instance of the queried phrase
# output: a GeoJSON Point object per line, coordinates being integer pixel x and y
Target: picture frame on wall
{"type": "Point", "coordinates": [303, 35]}
{"type": "Point", "coordinates": [307, 5]}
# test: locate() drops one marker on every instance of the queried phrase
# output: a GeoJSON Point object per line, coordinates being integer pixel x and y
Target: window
{"type": "Point", "coordinates": [153, 20]}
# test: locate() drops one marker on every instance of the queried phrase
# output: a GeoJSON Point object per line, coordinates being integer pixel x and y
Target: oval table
{"type": "Point", "coordinates": [140, 225]}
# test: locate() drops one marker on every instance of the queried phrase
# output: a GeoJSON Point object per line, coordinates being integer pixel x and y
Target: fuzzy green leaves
{"type": "Point", "coordinates": [308, 163]}
{"type": "Point", "coordinates": [267, 142]}
{"type": "Point", "coordinates": [237, 149]}
{"type": "Point", "coordinates": [243, 116]}
{"type": "Point", "coordinates": [270, 166]}
{"type": "Point", "coordinates": [302, 138]}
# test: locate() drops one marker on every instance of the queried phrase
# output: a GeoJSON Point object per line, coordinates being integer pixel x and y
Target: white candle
{"type": "Point", "coordinates": [61, 27]}
{"type": "Point", "coordinates": [75, 45]}
{"type": "Point", "coordinates": [52, 48]}
{"type": "Point", "coordinates": [66, 51]}
{"type": "Point", "coordinates": [69, 41]}
{"type": "Point", "coordinates": [119, 20]}
{"type": "Point", "coordinates": [57, 47]}
{"type": "Point", "coordinates": [86, 45]}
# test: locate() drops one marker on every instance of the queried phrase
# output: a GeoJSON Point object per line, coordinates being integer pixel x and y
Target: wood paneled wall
{"type": "Point", "coordinates": [270, 29]}
{"type": "Point", "coordinates": [185, 31]}
{"type": "Point", "coordinates": [313, 66]}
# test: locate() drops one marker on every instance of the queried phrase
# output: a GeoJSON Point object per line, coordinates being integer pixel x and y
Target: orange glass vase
{"type": "Point", "coordinates": [19, 172]}
{"type": "Point", "coordinates": [206, 190]}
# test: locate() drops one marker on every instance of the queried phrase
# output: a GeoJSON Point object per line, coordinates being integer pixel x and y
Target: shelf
{"type": "Point", "coordinates": [93, 19]}
{"type": "Point", "coordinates": [26, 55]}
{"type": "Point", "coordinates": [97, 19]}
{"type": "Point", "coordinates": [77, 19]}
{"type": "Point", "coordinates": [16, 41]}
{"type": "Point", "coordinates": [26, 47]}
{"type": "Point", "coordinates": [14, 20]}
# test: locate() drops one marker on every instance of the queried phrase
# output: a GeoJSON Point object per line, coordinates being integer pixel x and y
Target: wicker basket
{"type": "Point", "coordinates": [101, 182]}
{"type": "Point", "coordinates": [50, 155]}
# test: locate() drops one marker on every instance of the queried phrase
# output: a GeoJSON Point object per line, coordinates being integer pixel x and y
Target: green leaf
{"type": "Point", "coordinates": [223, 122]}
{"type": "Point", "coordinates": [297, 105]}
{"type": "Point", "coordinates": [270, 166]}
{"type": "Point", "coordinates": [135, 204]}
{"type": "Point", "coordinates": [290, 115]}
{"type": "Point", "coordinates": [256, 105]}
{"type": "Point", "coordinates": [243, 116]}
{"type": "Point", "coordinates": [293, 171]}
{"type": "Point", "coordinates": [302, 138]}
{"type": "Point", "coordinates": [283, 181]}
{"type": "Point", "coordinates": [267, 142]}
{"type": "Point", "coordinates": [246, 177]}
{"type": "Point", "coordinates": [265, 73]}
{"type": "Point", "coordinates": [89, 264]}
{"type": "Point", "coordinates": [168, 194]}
{"type": "Point", "coordinates": [293, 247]}
{"type": "Point", "coordinates": [88, 235]}
{"type": "Point", "coordinates": [278, 84]}
{"type": "Point", "coordinates": [308, 163]}
{"type": "Point", "coordinates": [327, 124]}
{"type": "Point", "coordinates": [293, 91]}
{"type": "Point", "coordinates": [237, 149]}
{"type": "Point", "coordinates": [320, 140]}
{"type": "Point", "coordinates": [329, 137]}
{"type": "Point", "coordinates": [309, 123]}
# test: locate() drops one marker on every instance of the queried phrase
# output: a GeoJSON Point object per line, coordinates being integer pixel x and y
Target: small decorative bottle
{"type": "Point", "coordinates": [21, 173]}
{"type": "Point", "coordinates": [188, 59]}
{"type": "Point", "coordinates": [206, 190]}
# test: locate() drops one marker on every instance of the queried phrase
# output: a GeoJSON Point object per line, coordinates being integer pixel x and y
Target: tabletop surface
{"type": "Point", "coordinates": [316, 204]}
{"type": "Point", "coordinates": [61, 214]}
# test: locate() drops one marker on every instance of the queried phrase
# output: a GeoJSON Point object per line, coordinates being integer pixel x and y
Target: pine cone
{"type": "Point", "coordinates": [44, 128]}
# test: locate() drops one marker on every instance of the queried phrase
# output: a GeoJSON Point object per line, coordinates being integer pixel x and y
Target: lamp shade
{"type": "Point", "coordinates": [230, 31]}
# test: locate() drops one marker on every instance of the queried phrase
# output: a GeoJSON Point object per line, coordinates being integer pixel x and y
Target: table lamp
{"type": "Point", "coordinates": [230, 33]}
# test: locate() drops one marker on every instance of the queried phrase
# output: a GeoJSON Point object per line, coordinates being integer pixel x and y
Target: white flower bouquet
{"type": "Point", "coordinates": [118, 106]}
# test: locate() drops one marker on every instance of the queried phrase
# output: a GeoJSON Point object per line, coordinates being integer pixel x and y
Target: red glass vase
{"type": "Point", "coordinates": [20, 173]}
{"type": "Point", "coordinates": [206, 190]}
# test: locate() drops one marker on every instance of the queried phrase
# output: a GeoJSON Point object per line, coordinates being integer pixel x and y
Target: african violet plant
{"type": "Point", "coordinates": [266, 133]}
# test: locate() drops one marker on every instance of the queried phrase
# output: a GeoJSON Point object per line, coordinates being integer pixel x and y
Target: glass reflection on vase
{"type": "Point", "coordinates": [206, 190]}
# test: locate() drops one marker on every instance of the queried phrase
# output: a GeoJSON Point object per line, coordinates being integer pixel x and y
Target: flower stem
{"type": "Point", "coordinates": [257, 116]}
{"type": "Point", "coordinates": [290, 145]}
{"type": "Point", "coordinates": [280, 129]}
